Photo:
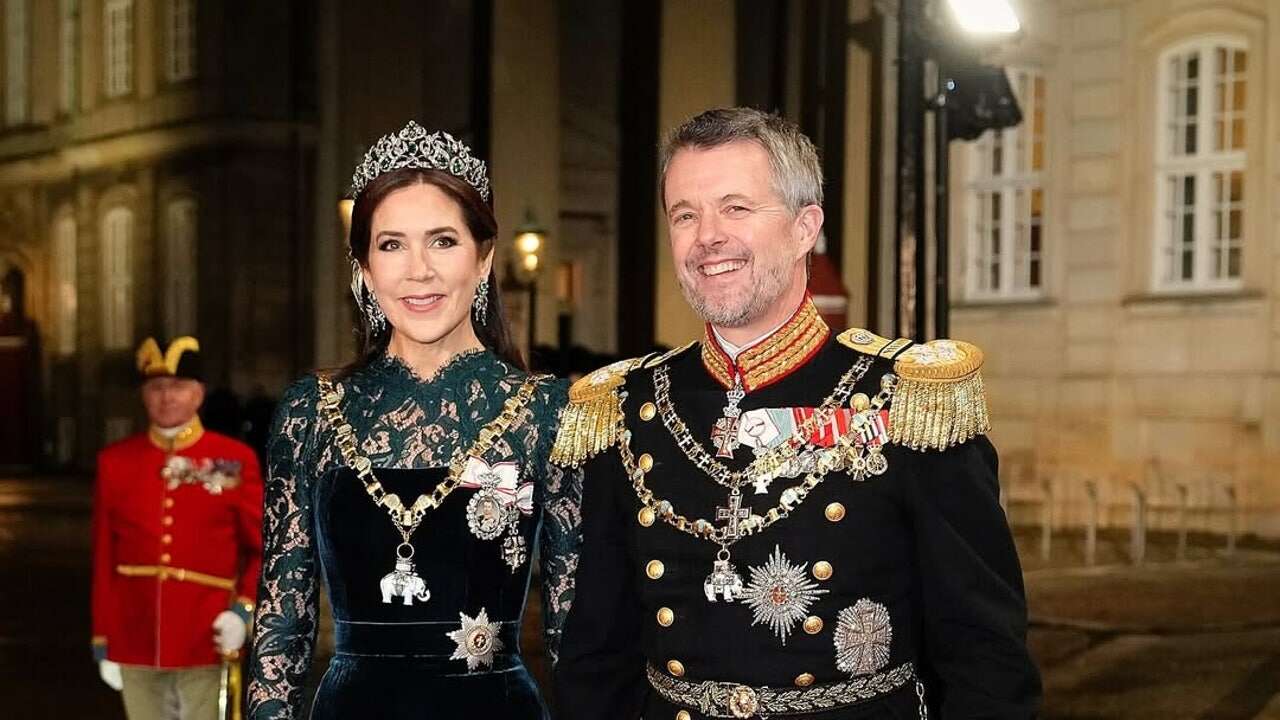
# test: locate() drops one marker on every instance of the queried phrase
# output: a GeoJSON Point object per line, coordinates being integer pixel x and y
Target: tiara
{"type": "Point", "coordinates": [412, 147]}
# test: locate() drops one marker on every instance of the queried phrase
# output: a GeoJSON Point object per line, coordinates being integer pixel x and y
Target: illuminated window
{"type": "Point", "coordinates": [117, 279]}
{"type": "Point", "coordinates": [117, 33]}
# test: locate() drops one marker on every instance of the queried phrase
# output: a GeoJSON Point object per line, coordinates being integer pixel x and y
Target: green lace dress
{"type": "Point", "coordinates": [445, 645]}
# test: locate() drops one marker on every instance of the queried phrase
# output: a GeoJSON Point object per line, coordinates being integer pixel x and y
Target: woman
{"type": "Point", "coordinates": [416, 478]}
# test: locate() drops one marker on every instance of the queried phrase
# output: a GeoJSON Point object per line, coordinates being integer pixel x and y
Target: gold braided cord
{"type": "Point", "coordinates": [936, 415]}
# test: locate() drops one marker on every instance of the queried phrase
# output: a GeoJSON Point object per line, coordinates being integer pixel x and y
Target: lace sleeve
{"type": "Point", "coordinates": [561, 527]}
{"type": "Point", "coordinates": [288, 592]}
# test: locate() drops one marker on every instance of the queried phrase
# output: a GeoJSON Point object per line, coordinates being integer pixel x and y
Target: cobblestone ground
{"type": "Point", "coordinates": [1198, 640]}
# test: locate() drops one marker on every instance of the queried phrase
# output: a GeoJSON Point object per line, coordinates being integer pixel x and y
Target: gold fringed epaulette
{"type": "Point", "coordinates": [592, 421]}
{"type": "Point", "coordinates": [940, 400]}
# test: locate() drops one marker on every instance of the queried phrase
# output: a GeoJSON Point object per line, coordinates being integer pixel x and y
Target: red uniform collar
{"type": "Point", "coordinates": [186, 437]}
{"type": "Point", "coordinates": [768, 361]}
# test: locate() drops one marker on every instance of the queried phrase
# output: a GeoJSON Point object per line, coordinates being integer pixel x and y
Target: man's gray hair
{"type": "Point", "coordinates": [797, 173]}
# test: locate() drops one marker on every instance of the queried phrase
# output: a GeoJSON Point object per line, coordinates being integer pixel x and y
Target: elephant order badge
{"type": "Point", "coordinates": [403, 582]}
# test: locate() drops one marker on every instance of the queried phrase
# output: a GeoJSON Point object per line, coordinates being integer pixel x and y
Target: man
{"type": "Point", "coordinates": [177, 547]}
{"type": "Point", "coordinates": [779, 521]}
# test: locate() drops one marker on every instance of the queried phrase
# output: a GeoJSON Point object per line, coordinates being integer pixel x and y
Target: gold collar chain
{"type": "Point", "coordinates": [407, 519]}
{"type": "Point", "coordinates": [771, 461]}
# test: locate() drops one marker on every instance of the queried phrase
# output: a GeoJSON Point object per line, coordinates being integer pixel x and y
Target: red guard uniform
{"type": "Point", "coordinates": [177, 540]}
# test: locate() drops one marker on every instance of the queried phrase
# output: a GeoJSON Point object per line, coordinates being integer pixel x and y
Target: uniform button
{"type": "Point", "coordinates": [647, 411]}
{"type": "Point", "coordinates": [834, 512]}
{"type": "Point", "coordinates": [646, 462]}
{"type": "Point", "coordinates": [654, 569]}
{"type": "Point", "coordinates": [646, 516]}
{"type": "Point", "coordinates": [168, 502]}
{"type": "Point", "coordinates": [675, 667]}
{"type": "Point", "coordinates": [684, 715]}
{"type": "Point", "coordinates": [164, 558]}
{"type": "Point", "coordinates": [666, 617]}
{"type": "Point", "coordinates": [168, 520]}
{"type": "Point", "coordinates": [822, 570]}
{"type": "Point", "coordinates": [804, 680]}
{"type": "Point", "coordinates": [813, 624]}
{"type": "Point", "coordinates": [166, 539]}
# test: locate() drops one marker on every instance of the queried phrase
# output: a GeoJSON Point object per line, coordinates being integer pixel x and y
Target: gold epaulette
{"type": "Point", "coordinates": [592, 421]}
{"type": "Point", "coordinates": [940, 400]}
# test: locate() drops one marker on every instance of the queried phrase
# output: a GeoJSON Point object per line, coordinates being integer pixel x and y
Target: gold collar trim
{"type": "Point", "coordinates": [773, 358]}
{"type": "Point", "coordinates": [185, 438]}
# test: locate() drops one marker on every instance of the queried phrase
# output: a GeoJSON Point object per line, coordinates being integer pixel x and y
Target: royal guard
{"type": "Point", "coordinates": [177, 549]}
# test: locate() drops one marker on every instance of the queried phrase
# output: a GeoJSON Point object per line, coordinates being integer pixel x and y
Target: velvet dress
{"type": "Point", "coordinates": [407, 650]}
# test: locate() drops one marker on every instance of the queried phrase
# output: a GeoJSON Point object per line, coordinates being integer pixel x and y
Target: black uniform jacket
{"type": "Point", "coordinates": [926, 541]}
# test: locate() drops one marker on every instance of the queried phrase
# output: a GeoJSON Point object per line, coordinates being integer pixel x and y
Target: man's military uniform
{"type": "Point", "coordinates": [177, 539]}
{"type": "Point", "coordinates": [860, 566]}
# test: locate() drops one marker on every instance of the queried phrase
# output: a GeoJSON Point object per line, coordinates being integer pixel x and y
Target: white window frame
{"type": "Point", "coordinates": [17, 35]}
{"type": "Point", "coordinates": [65, 251]}
{"type": "Point", "coordinates": [117, 278]}
{"type": "Point", "coordinates": [180, 40]}
{"type": "Point", "coordinates": [1203, 166]}
{"type": "Point", "coordinates": [1015, 185]}
{"type": "Point", "coordinates": [69, 55]}
{"type": "Point", "coordinates": [117, 47]}
{"type": "Point", "coordinates": [181, 233]}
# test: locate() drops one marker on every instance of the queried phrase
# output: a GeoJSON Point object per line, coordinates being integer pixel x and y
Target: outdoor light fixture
{"type": "Point", "coordinates": [985, 17]}
{"type": "Point", "coordinates": [530, 237]}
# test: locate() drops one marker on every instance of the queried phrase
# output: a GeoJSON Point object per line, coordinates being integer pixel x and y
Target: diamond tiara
{"type": "Point", "coordinates": [412, 147]}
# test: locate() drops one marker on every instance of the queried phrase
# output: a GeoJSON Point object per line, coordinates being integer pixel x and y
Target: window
{"type": "Point", "coordinates": [1200, 162]}
{"type": "Point", "coordinates": [180, 268]}
{"type": "Point", "coordinates": [180, 40]}
{"type": "Point", "coordinates": [64, 263]}
{"type": "Point", "coordinates": [69, 60]}
{"type": "Point", "coordinates": [118, 47]}
{"type": "Point", "coordinates": [1006, 200]}
{"type": "Point", "coordinates": [117, 279]}
{"type": "Point", "coordinates": [15, 61]}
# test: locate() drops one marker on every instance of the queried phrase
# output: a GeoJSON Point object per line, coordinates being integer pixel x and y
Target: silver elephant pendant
{"type": "Point", "coordinates": [723, 581]}
{"type": "Point", "coordinates": [404, 583]}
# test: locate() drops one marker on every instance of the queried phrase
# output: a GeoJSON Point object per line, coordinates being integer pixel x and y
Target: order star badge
{"type": "Point", "coordinates": [862, 638]}
{"type": "Point", "coordinates": [477, 640]}
{"type": "Point", "coordinates": [780, 594]}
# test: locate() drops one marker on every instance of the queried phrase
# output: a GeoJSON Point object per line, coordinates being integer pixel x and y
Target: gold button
{"type": "Point", "coordinates": [804, 680]}
{"type": "Point", "coordinates": [834, 512]}
{"type": "Point", "coordinates": [859, 402]}
{"type": "Point", "coordinates": [822, 570]}
{"type": "Point", "coordinates": [164, 558]}
{"type": "Point", "coordinates": [647, 411]}
{"type": "Point", "coordinates": [813, 624]}
{"type": "Point", "coordinates": [646, 516]}
{"type": "Point", "coordinates": [675, 667]}
{"type": "Point", "coordinates": [666, 617]}
{"type": "Point", "coordinates": [168, 502]}
{"type": "Point", "coordinates": [684, 715]}
{"type": "Point", "coordinates": [166, 539]}
{"type": "Point", "coordinates": [167, 520]}
{"type": "Point", "coordinates": [654, 569]}
{"type": "Point", "coordinates": [646, 462]}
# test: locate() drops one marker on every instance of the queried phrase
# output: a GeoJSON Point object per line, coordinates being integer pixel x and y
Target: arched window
{"type": "Point", "coordinates": [117, 279]}
{"type": "Point", "coordinates": [1006, 200]}
{"type": "Point", "coordinates": [1200, 165]}
{"type": "Point", "coordinates": [180, 267]}
{"type": "Point", "coordinates": [64, 264]}
{"type": "Point", "coordinates": [69, 55]}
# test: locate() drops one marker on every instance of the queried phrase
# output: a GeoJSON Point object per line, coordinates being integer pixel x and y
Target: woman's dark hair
{"type": "Point", "coordinates": [478, 215]}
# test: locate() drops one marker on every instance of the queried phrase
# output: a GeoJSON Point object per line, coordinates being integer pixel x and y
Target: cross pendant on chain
{"type": "Point", "coordinates": [733, 513]}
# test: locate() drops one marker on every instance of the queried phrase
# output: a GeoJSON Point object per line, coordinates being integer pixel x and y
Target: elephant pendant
{"type": "Point", "coordinates": [723, 581]}
{"type": "Point", "coordinates": [403, 582]}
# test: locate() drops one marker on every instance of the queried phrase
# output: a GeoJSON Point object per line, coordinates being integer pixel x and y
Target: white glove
{"type": "Point", "coordinates": [229, 632]}
{"type": "Point", "coordinates": [110, 673]}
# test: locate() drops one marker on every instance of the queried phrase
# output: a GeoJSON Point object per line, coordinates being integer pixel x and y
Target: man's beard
{"type": "Point", "coordinates": [743, 305]}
